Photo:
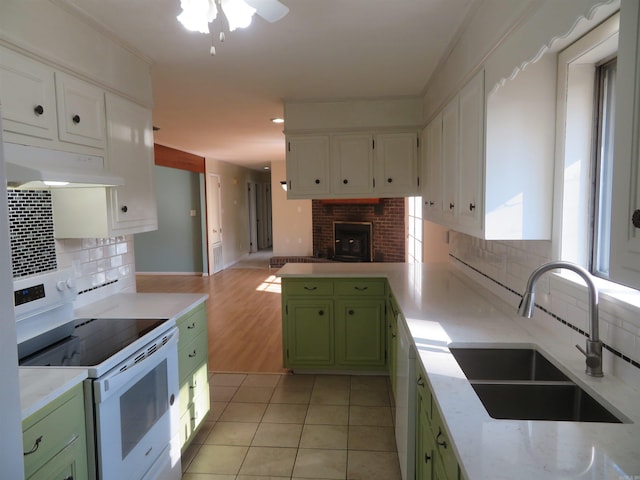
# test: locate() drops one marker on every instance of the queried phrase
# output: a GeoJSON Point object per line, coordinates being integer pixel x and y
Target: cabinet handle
{"type": "Point", "coordinates": [76, 119]}
{"type": "Point", "coordinates": [635, 219]}
{"type": "Point", "coordinates": [317, 181]}
{"type": "Point", "coordinates": [125, 209]}
{"type": "Point", "coordinates": [38, 109]}
{"type": "Point", "coordinates": [35, 447]}
{"type": "Point", "coordinates": [321, 312]}
{"type": "Point", "coordinates": [472, 207]}
{"type": "Point", "coordinates": [389, 180]}
{"type": "Point", "coordinates": [361, 289]}
{"type": "Point", "coordinates": [345, 181]}
{"type": "Point", "coordinates": [192, 326]}
{"type": "Point", "coordinates": [420, 381]}
{"type": "Point", "coordinates": [350, 312]}
{"type": "Point", "coordinates": [393, 335]}
{"type": "Point", "coordinates": [441, 443]}
{"type": "Point", "coordinates": [192, 354]}
{"type": "Point", "coordinates": [431, 203]}
{"type": "Point", "coordinates": [451, 205]}
{"type": "Point", "coordinates": [70, 477]}
{"type": "Point", "coordinates": [426, 458]}
{"type": "Point", "coordinates": [311, 289]}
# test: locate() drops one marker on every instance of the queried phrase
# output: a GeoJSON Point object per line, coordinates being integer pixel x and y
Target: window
{"type": "Point", "coordinates": [603, 166]}
{"type": "Point", "coordinates": [586, 99]}
{"type": "Point", "coordinates": [414, 224]}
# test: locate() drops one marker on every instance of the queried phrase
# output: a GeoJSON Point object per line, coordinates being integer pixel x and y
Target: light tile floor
{"type": "Point", "coordinates": [297, 427]}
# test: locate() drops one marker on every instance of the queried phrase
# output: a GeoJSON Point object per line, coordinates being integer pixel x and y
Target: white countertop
{"type": "Point", "coordinates": [442, 306]}
{"type": "Point", "coordinates": [41, 385]}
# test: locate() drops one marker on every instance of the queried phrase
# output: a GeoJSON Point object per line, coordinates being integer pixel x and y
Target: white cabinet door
{"type": "Point", "coordinates": [130, 152]}
{"type": "Point", "coordinates": [81, 111]}
{"type": "Point", "coordinates": [307, 166]}
{"type": "Point", "coordinates": [625, 217]}
{"type": "Point", "coordinates": [432, 170]}
{"type": "Point", "coordinates": [396, 166]}
{"type": "Point", "coordinates": [450, 162]}
{"type": "Point", "coordinates": [27, 95]}
{"type": "Point", "coordinates": [471, 155]}
{"type": "Point", "coordinates": [351, 164]}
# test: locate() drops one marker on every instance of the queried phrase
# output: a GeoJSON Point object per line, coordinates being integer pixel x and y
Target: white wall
{"type": "Point", "coordinates": [292, 225]}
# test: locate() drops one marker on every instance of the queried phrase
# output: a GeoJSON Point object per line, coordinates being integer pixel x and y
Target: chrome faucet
{"type": "Point", "coordinates": [593, 352]}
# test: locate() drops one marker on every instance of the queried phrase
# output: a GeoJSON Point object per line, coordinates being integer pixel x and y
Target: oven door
{"type": "Point", "coordinates": [137, 414]}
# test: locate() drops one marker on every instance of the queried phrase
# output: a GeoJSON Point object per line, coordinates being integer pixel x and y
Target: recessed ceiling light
{"type": "Point", "coordinates": [277, 120]}
{"type": "Point", "coordinates": [267, 167]}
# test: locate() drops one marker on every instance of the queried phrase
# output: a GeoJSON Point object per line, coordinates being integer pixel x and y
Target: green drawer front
{"type": "Point", "coordinates": [307, 287]}
{"type": "Point", "coordinates": [191, 356]}
{"type": "Point", "coordinates": [360, 287]}
{"type": "Point", "coordinates": [56, 426]}
{"type": "Point", "coordinates": [192, 324]}
{"type": "Point", "coordinates": [194, 384]}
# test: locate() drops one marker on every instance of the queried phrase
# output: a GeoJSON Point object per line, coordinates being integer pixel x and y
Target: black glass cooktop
{"type": "Point", "coordinates": [92, 341]}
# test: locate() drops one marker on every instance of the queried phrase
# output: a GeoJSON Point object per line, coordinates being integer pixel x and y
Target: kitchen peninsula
{"type": "Point", "coordinates": [442, 306]}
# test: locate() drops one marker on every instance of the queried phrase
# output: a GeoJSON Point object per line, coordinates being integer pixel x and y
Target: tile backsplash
{"type": "Point", "coordinates": [102, 266]}
{"type": "Point", "coordinates": [504, 268]}
{"type": "Point", "coordinates": [33, 247]}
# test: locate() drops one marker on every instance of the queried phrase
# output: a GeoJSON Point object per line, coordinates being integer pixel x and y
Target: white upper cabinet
{"type": "Point", "coordinates": [625, 216]}
{"type": "Point", "coordinates": [396, 164]}
{"type": "Point", "coordinates": [432, 170]}
{"type": "Point", "coordinates": [471, 155]}
{"type": "Point", "coordinates": [351, 164]}
{"type": "Point", "coordinates": [308, 166]}
{"type": "Point", "coordinates": [81, 114]}
{"type": "Point", "coordinates": [494, 157]}
{"type": "Point", "coordinates": [27, 95]}
{"type": "Point", "coordinates": [130, 153]}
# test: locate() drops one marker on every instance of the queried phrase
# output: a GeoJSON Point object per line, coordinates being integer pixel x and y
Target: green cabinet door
{"type": "Point", "coordinates": [310, 333]}
{"type": "Point", "coordinates": [360, 332]}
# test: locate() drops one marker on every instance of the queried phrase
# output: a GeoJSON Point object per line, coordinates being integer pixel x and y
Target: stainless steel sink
{"type": "Point", "coordinates": [521, 384]}
{"type": "Point", "coordinates": [506, 364]}
{"type": "Point", "coordinates": [540, 401]}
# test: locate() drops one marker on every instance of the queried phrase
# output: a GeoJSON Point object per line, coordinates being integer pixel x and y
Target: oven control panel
{"type": "Point", "coordinates": [43, 291]}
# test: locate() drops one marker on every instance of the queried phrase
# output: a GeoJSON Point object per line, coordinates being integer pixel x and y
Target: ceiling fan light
{"type": "Point", "coordinates": [238, 13]}
{"type": "Point", "coordinates": [197, 14]}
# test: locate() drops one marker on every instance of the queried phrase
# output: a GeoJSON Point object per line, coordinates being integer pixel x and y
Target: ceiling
{"type": "Point", "coordinates": [220, 106]}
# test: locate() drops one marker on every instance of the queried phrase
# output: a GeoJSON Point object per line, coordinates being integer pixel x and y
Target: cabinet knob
{"type": "Point", "coordinates": [192, 326]}
{"type": "Point", "coordinates": [451, 205]}
{"type": "Point", "coordinates": [431, 203]}
{"type": "Point", "coordinates": [38, 109]}
{"type": "Point", "coordinates": [635, 219]}
{"type": "Point", "coordinates": [125, 209]}
{"type": "Point", "coordinates": [426, 458]}
{"type": "Point", "coordinates": [76, 119]}
{"type": "Point", "coordinates": [192, 354]}
{"type": "Point", "coordinates": [472, 207]}
{"type": "Point", "coordinates": [317, 181]}
{"type": "Point", "coordinates": [345, 181]}
{"type": "Point", "coordinates": [420, 381]}
{"type": "Point", "coordinates": [321, 312]}
{"type": "Point", "coordinates": [351, 312]}
{"type": "Point", "coordinates": [389, 180]}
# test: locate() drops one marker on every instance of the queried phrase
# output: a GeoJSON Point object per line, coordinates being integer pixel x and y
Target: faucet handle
{"type": "Point", "coordinates": [592, 359]}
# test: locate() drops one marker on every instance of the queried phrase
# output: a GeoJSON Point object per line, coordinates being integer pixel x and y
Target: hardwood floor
{"type": "Point", "coordinates": [244, 315]}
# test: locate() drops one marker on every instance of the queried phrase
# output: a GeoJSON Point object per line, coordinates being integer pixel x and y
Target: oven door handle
{"type": "Point", "coordinates": [109, 384]}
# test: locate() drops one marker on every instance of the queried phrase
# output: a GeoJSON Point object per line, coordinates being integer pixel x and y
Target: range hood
{"type": "Point", "coordinates": [36, 168]}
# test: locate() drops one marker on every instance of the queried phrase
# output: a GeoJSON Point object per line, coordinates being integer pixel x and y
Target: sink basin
{"type": "Point", "coordinates": [540, 401]}
{"type": "Point", "coordinates": [506, 364]}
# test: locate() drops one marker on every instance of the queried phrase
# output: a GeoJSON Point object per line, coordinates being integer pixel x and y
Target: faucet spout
{"type": "Point", "coordinates": [593, 351]}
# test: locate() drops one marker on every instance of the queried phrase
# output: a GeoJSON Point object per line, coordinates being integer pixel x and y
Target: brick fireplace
{"type": "Point", "coordinates": [386, 215]}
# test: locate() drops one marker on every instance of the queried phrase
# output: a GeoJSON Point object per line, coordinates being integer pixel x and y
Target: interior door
{"type": "Point", "coordinates": [214, 224]}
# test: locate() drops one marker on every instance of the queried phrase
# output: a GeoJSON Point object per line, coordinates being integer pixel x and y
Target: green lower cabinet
{"type": "Point", "coordinates": [392, 342]}
{"type": "Point", "coordinates": [435, 459]}
{"type": "Point", "coordinates": [334, 324]}
{"type": "Point", "coordinates": [310, 333]}
{"type": "Point", "coordinates": [193, 374]}
{"type": "Point", "coordinates": [54, 439]}
{"type": "Point", "coordinates": [360, 333]}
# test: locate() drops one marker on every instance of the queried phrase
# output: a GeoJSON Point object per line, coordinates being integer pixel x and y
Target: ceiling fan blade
{"type": "Point", "coordinates": [270, 10]}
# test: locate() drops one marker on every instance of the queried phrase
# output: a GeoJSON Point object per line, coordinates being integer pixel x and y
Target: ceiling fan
{"type": "Point", "coordinates": [198, 14]}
